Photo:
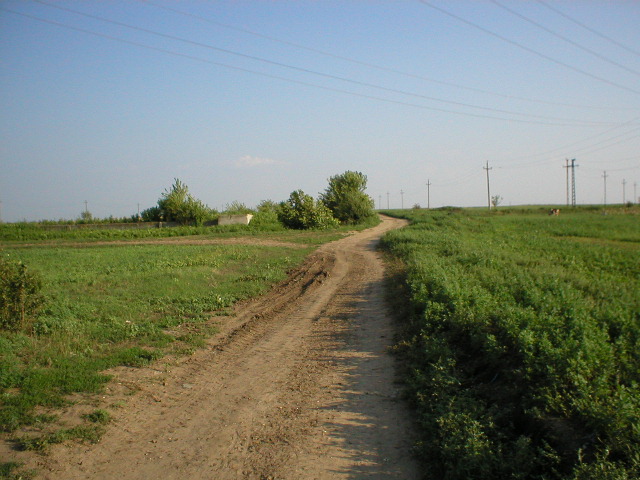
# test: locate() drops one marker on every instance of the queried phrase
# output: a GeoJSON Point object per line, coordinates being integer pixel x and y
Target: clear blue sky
{"type": "Point", "coordinates": [250, 100]}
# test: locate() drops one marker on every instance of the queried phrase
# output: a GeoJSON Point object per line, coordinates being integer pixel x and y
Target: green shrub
{"type": "Point", "coordinates": [237, 208]}
{"type": "Point", "coordinates": [19, 294]}
{"type": "Point", "coordinates": [346, 198]}
{"type": "Point", "coordinates": [302, 212]}
{"type": "Point", "coordinates": [178, 205]}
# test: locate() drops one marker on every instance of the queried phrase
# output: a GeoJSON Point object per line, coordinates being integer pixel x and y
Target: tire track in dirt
{"type": "Point", "coordinates": [297, 385]}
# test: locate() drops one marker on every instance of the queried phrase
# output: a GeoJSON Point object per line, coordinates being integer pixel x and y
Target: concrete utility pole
{"type": "Point", "coordinates": [428, 194]}
{"type": "Point", "coordinates": [605, 188]}
{"type": "Point", "coordinates": [86, 207]}
{"type": "Point", "coordinates": [566, 165]}
{"type": "Point", "coordinates": [402, 199]}
{"type": "Point", "coordinates": [624, 192]}
{"type": "Point", "coordinates": [387, 200]}
{"type": "Point", "coordinates": [573, 182]}
{"type": "Point", "coordinates": [488, 190]}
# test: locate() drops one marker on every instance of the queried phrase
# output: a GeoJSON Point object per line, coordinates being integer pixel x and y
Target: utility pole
{"type": "Point", "coordinates": [428, 194]}
{"type": "Point", "coordinates": [86, 207]}
{"type": "Point", "coordinates": [573, 182]}
{"type": "Point", "coordinates": [488, 190]}
{"type": "Point", "coordinates": [402, 199]}
{"type": "Point", "coordinates": [605, 188]}
{"type": "Point", "coordinates": [624, 193]}
{"type": "Point", "coordinates": [387, 200]}
{"type": "Point", "coordinates": [566, 165]}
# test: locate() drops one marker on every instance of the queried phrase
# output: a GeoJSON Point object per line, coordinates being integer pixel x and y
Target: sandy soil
{"type": "Point", "coordinates": [297, 385]}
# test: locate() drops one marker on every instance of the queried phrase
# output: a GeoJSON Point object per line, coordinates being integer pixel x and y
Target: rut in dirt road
{"type": "Point", "coordinates": [298, 385]}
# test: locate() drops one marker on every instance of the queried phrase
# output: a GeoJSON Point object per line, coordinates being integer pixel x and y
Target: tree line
{"type": "Point", "coordinates": [344, 201]}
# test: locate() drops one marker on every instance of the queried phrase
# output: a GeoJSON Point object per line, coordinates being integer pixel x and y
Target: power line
{"type": "Point", "coordinates": [573, 144]}
{"type": "Point", "coordinates": [636, 167]}
{"type": "Point", "coordinates": [530, 50]}
{"type": "Point", "coordinates": [586, 27]}
{"type": "Point", "coordinates": [276, 77]}
{"type": "Point", "coordinates": [372, 65]}
{"type": "Point", "coordinates": [568, 40]}
{"type": "Point", "coordinates": [551, 121]}
{"type": "Point", "coordinates": [607, 146]}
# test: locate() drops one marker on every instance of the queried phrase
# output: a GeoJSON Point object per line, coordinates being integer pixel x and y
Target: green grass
{"type": "Point", "coordinates": [522, 342]}
{"type": "Point", "coordinates": [13, 471]}
{"type": "Point", "coordinates": [88, 433]}
{"type": "Point", "coordinates": [12, 233]}
{"type": "Point", "coordinates": [126, 304]}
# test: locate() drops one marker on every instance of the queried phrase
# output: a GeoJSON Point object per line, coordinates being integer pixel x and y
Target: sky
{"type": "Point", "coordinates": [438, 103]}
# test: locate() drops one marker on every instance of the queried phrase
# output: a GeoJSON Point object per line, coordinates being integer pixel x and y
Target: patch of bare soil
{"type": "Point", "coordinates": [297, 385]}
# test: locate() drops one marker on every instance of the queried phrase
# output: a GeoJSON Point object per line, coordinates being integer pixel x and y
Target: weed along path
{"type": "Point", "coordinates": [298, 384]}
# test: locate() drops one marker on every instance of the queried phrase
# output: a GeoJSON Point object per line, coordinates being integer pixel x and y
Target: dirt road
{"type": "Point", "coordinates": [298, 385]}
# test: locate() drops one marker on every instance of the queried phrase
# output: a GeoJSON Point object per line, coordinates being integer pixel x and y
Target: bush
{"type": "Point", "coordinates": [178, 205]}
{"type": "Point", "coordinates": [346, 198]}
{"type": "Point", "coordinates": [152, 214]}
{"type": "Point", "coordinates": [266, 217]}
{"type": "Point", "coordinates": [237, 208]}
{"type": "Point", "coordinates": [19, 294]}
{"type": "Point", "coordinates": [302, 212]}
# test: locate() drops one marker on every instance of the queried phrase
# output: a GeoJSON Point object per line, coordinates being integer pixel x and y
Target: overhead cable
{"type": "Point", "coordinates": [568, 40]}
{"type": "Point", "coordinates": [549, 120]}
{"type": "Point", "coordinates": [586, 27]}
{"type": "Point", "coordinates": [288, 80]}
{"type": "Point", "coordinates": [573, 144]}
{"type": "Point", "coordinates": [372, 65]}
{"type": "Point", "coordinates": [530, 50]}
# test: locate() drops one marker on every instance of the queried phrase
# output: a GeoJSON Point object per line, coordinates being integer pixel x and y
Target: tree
{"type": "Point", "coordinates": [267, 206]}
{"type": "Point", "coordinates": [496, 200]}
{"type": "Point", "coordinates": [178, 205]}
{"type": "Point", "coordinates": [266, 216]}
{"type": "Point", "coordinates": [302, 212]}
{"type": "Point", "coordinates": [237, 208]}
{"type": "Point", "coordinates": [151, 214]}
{"type": "Point", "coordinates": [86, 216]}
{"type": "Point", "coordinates": [346, 198]}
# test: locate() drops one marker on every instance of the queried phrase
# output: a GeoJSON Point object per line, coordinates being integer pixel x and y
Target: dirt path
{"type": "Point", "coordinates": [298, 385]}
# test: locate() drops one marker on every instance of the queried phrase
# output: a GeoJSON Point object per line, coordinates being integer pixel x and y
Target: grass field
{"type": "Point", "coordinates": [124, 303]}
{"type": "Point", "coordinates": [521, 341]}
